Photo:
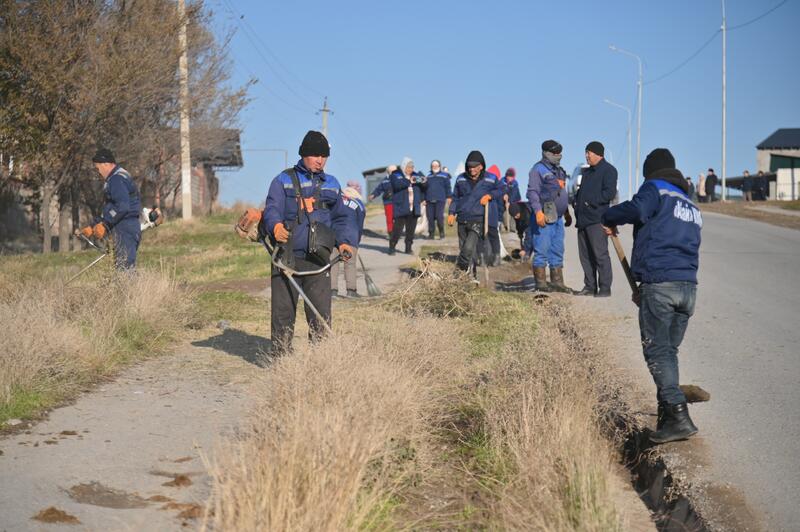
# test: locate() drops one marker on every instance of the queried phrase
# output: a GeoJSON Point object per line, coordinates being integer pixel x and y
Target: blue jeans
{"type": "Point", "coordinates": [548, 244]}
{"type": "Point", "coordinates": [664, 313]}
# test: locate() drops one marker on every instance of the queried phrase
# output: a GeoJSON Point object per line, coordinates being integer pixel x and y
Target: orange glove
{"type": "Point", "coordinates": [561, 183]}
{"type": "Point", "coordinates": [451, 219]}
{"type": "Point", "coordinates": [280, 232]}
{"type": "Point", "coordinates": [540, 220]}
{"type": "Point", "coordinates": [346, 251]}
{"type": "Point", "coordinates": [308, 204]}
{"type": "Point", "coordinates": [86, 231]}
{"type": "Point", "coordinates": [99, 231]}
{"type": "Point", "coordinates": [486, 199]}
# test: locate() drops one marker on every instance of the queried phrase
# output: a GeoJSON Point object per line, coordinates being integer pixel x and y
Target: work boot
{"type": "Point", "coordinates": [603, 293]}
{"type": "Point", "coordinates": [408, 249]}
{"type": "Point", "coordinates": [584, 292]}
{"type": "Point", "coordinates": [431, 236]}
{"type": "Point", "coordinates": [496, 260]}
{"type": "Point", "coordinates": [557, 281]}
{"type": "Point", "coordinates": [335, 294]}
{"type": "Point", "coordinates": [662, 415]}
{"type": "Point", "coordinates": [540, 274]}
{"type": "Point", "coordinates": [352, 293]}
{"type": "Point", "coordinates": [441, 236]}
{"type": "Point", "coordinates": [676, 425]}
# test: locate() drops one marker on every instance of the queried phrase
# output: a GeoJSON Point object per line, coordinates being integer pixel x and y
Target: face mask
{"type": "Point", "coordinates": [553, 158]}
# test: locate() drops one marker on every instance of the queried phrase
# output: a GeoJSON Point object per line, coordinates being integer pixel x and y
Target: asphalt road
{"type": "Point", "coordinates": [742, 346]}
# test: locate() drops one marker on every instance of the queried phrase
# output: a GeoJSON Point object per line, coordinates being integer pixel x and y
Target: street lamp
{"type": "Point", "coordinates": [639, 105]}
{"type": "Point", "coordinates": [630, 172]}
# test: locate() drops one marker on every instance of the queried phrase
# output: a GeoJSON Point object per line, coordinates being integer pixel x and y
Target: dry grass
{"type": "Point", "coordinates": [57, 339]}
{"type": "Point", "coordinates": [405, 420]}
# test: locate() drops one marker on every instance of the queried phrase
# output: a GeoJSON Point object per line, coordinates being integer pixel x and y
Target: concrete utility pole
{"type": "Point", "coordinates": [630, 171]}
{"type": "Point", "coordinates": [639, 111]}
{"type": "Point", "coordinates": [186, 157]}
{"type": "Point", "coordinates": [324, 111]}
{"type": "Point", "coordinates": [724, 103]}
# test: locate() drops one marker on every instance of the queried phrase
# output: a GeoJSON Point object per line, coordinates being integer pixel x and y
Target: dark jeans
{"type": "Point", "coordinates": [284, 304]}
{"type": "Point", "coordinates": [126, 236]}
{"type": "Point", "coordinates": [407, 223]}
{"type": "Point", "coordinates": [664, 313]}
{"type": "Point", "coordinates": [435, 213]}
{"type": "Point", "coordinates": [593, 252]}
{"type": "Point", "coordinates": [468, 240]}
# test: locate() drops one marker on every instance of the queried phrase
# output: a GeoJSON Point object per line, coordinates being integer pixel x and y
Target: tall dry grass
{"type": "Point", "coordinates": [397, 423]}
{"type": "Point", "coordinates": [57, 338]}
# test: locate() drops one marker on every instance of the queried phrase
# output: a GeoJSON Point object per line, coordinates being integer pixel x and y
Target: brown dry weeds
{"type": "Point", "coordinates": [54, 515]}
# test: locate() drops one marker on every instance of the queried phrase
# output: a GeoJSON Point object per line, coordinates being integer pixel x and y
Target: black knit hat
{"type": "Point", "coordinates": [475, 157]}
{"type": "Point", "coordinates": [596, 148]}
{"type": "Point", "coordinates": [552, 146]}
{"type": "Point", "coordinates": [103, 155]}
{"type": "Point", "coordinates": [315, 144]}
{"type": "Point", "coordinates": [658, 160]}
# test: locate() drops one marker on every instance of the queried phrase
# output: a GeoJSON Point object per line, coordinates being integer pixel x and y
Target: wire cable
{"type": "Point", "coordinates": [764, 14]}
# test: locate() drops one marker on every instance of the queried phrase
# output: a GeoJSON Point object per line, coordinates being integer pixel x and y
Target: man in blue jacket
{"type": "Point", "coordinates": [598, 188]}
{"type": "Point", "coordinates": [408, 189]}
{"type": "Point", "coordinates": [511, 188]}
{"type": "Point", "coordinates": [120, 212]}
{"type": "Point", "coordinates": [548, 200]}
{"type": "Point", "coordinates": [437, 194]}
{"type": "Point", "coordinates": [286, 220]}
{"type": "Point", "coordinates": [473, 190]}
{"type": "Point", "coordinates": [356, 212]}
{"type": "Point", "coordinates": [665, 258]}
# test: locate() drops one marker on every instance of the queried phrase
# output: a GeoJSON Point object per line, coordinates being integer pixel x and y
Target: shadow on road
{"type": "Point", "coordinates": [252, 349]}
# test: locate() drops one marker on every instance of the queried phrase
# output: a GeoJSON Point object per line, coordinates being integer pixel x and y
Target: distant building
{"type": "Point", "coordinates": [779, 154]}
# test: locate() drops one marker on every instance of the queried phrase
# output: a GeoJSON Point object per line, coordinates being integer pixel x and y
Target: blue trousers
{"type": "Point", "coordinates": [435, 213]}
{"type": "Point", "coordinates": [548, 244]}
{"type": "Point", "coordinates": [664, 312]}
{"type": "Point", "coordinates": [127, 235]}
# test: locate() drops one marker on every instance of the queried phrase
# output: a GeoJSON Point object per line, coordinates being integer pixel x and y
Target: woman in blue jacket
{"type": "Point", "coordinates": [408, 191]}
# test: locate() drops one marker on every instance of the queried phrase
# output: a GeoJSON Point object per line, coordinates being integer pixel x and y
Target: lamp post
{"type": "Point", "coordinates": [639, 105]}
{"type": "Point", "coordinates": [724, 103]}
{"type": "Point", "coordinates": [630, 171]}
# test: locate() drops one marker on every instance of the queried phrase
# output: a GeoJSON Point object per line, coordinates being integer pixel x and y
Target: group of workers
{"type": "Point", "coordinates": [309, 222]}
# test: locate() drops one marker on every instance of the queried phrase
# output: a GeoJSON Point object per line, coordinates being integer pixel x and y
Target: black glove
{"type": "Point", "coordinates": [567, 218]}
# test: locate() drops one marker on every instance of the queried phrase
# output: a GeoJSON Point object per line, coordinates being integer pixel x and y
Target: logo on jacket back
{"type": "Point", "coordinates": [687, 213]}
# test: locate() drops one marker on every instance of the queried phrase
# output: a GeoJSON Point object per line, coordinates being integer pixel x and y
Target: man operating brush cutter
{"type": "Point", "coordinates": [303, 222]}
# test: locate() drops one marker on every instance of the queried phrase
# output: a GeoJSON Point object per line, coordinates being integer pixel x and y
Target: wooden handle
{"type": "Point", "coordinates": [625, 266]}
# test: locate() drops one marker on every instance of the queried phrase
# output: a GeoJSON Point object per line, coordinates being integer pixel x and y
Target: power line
{"type": "Point", "coordinates": [711, 39]}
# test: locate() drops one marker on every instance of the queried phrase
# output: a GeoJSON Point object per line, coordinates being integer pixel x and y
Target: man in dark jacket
{"type": "Point", "coordinates": [473, 190]}
{"type": "Point", "coordinates": [598, 188]}
{"type": "Point", "coordinates": [286, 220]}
{"type": "Point", "coordinates": [547, 192]}
{"type": "Point", "coordinates": [408, 189]}
{"type": "Point", "coordinates": [665, 258]}
{"type": "Point", "coordinates": [711, 186]}
{"type": "Point", "coordinates": [747, 186]}
{"type": "Point", "coordinates": [384, 189]}
{"type": "Point", "coordinates": [437, 193]}
{"type": "Point", "coordinates": [120, 213]}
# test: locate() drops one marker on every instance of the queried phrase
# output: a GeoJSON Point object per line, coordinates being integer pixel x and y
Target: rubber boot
{"type": "Point", "coordinates": [352, 293]}
{"type": "Point", "coordinates": [662, 414]}
{"type": "Point", "coordinates": [557, 281]}
{"type": "Point", "coordinates": [540, 274]}
{"type": "Point", "coordinates": [677, 425]}
{"type": "Point", "coordinates": [408, 249]}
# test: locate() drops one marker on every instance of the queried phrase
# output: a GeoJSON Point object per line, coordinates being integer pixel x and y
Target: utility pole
{"type": "Point", "coordinates": [324, 111]}
{"type": "Point", "coordinates": [630, 172]}
{"type": "Point", "coordinates": [724, 103]}
{"type": "Point", "coordinates": [186, 157]}
{"type": "Point", "coordinates": [639, 111]}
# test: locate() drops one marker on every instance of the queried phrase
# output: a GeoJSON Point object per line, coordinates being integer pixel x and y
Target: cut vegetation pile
{"type": "Point", "coordinates": [406, 420]}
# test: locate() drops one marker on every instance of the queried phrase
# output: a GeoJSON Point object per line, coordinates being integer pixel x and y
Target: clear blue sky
{"type": "Point", "coordinates": [438, 78]}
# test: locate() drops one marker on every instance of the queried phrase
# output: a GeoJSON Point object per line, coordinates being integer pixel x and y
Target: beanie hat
{"type": "Point", "coordinates": [511, 172]}
{"type": "Point", "coordinates": [475, 158]}
{"type": "Point", "coordinates": [103, 155]}
{"type": "Point", "coordinates": [315, 144]}
{"type": "Point", "coordinates": [596, 148]}
{"type": "Point", "coordinates": [658, 160]}
{"type": "Point", "coordinates": [552, 146]}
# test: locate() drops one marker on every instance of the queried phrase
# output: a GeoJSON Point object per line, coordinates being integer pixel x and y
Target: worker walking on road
{"type": "Point", "coordinates": [408, 190]}
{"type": "Point", "coordinates": [438, 192]}
{"type": "Point", "coordinates": [121, 211]}
{"type": "Point", "coordinates": [548, 200]}
{"type": "Point", "coordinates": [473, 190]}
{"type": "Point", "coordinates": [384, 189]}
{"type": "Point", "coordinates": [666, 244]}
{"type": "Point", "coordinates": [301, 198]}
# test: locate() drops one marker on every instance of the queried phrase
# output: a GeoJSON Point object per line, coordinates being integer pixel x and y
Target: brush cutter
{"type": "Point", "coordinates": [95, 261]}
{"type": "Point", "coordinates": [372, 288]}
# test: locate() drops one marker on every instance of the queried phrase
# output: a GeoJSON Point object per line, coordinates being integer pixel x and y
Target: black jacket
{"type": "Point", "coordinates": [598, 188]}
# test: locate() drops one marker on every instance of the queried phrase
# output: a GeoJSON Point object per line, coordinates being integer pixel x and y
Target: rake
{"type": "Point", "coordinates": [372, 288]}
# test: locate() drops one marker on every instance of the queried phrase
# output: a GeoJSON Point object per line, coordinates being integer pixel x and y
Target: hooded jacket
{"type": "Point", "coordinates": [282, 207]}
{"type": "Point", "coordinates": [666, 229]}
{"type": "Point", "coordinates": [544, 186]}
{"type": "Point", "coordinates": [122, 201]}
{"type": "Point", "coordinates": [400, 189]}
{"type": "Point", "coordinates": [467, 194]}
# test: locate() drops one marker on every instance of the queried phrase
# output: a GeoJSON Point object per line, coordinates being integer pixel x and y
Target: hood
{"type": "Point", "coordinates": [672, 176]}
{"type": "Point", "coordinates": [405, 162]}
{"type": "Point", "coordinates": [494, 169]}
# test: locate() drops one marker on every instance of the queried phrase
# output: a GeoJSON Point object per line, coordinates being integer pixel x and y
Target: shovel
{"type": "Point", "coordinates": [372, 288]}
{"type": "Point", "coordinates": [625, 266]}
